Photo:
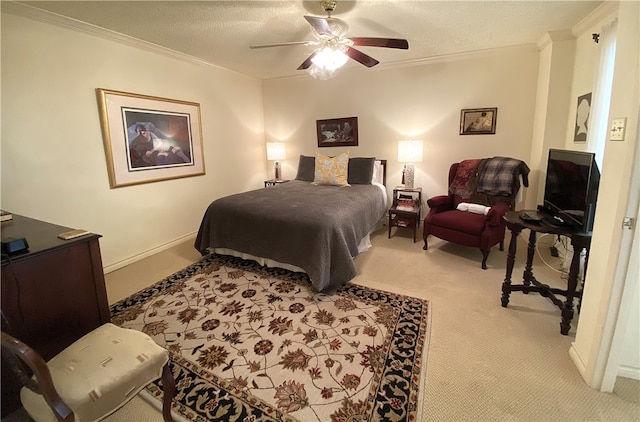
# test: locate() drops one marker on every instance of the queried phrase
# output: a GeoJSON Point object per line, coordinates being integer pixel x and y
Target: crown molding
{"type": "Point", "coordinates": [606, 10]}
{"type": "Point", "coordinates": [468, 55]}
{"type": "Point", "coordinates": [31, 12]}
{"type": "Point", "coordinates": [555, 36]}
{"type": "Point", "coordinates": [442, 58]}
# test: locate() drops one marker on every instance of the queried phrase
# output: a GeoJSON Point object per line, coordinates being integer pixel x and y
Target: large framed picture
{"type": "Point", "coordinates": [341, 132]}
{"type": "Point", "coordinates": [149, 139]}
{"type": "Point", "coordinates": [478, 121]}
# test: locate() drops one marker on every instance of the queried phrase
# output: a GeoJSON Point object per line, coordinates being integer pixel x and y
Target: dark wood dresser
{"type": "Point", "coordinates": [52, 294]}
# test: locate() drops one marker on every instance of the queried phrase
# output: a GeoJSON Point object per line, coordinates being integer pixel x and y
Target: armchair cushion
{"type": "Point", "coordinates": [463, 221]}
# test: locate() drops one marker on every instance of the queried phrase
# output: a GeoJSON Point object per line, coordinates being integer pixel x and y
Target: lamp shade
{"type": "Point", "coordinates": [410, 151]}
{"type": "Point", "coordinates": [275, 151]}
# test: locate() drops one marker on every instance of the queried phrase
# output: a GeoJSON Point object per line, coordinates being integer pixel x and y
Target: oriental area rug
{"type": "Point", "coordinates": [250, 343]}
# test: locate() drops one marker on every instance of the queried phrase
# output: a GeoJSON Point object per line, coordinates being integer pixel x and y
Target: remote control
{"type": "Point", "coordinates": [530, 216]}
{"type": "Point", "coordinates": [72, 234]}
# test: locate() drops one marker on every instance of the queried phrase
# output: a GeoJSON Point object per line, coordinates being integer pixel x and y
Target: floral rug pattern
{"type": "Point", "coordinates": [250, 343]}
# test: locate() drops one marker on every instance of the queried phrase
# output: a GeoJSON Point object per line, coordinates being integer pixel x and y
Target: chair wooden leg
{"type": "Point", "coordinates": [169, 391]}
{"type": "Point", "coordinates": [426, 246]}
{"type": "Point", "coordinates": [502, 245]}
{"type": "Point", "coordinates": [485, 255]}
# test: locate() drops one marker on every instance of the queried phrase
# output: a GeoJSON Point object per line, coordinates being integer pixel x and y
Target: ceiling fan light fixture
{"type": "Point", "coordinates": [330, 58]}
{"type": "Point", "coordinates": [326, 62]}
{"type": "Point", "coordinates": [335, 48]}
{"type": "Point", "coordinates": [320, 72]}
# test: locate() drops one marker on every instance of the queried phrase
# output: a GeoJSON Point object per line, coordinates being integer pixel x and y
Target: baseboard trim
{"type": "Point", "coordinates": [135, 258]}
{"type": "Point", "coordinates": [629, 372]}
{"type": "Point", "coordinates": [579, 362]}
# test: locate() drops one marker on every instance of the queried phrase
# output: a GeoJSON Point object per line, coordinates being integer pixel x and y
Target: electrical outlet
{"type": "Point", "coordinates": [616, 133]}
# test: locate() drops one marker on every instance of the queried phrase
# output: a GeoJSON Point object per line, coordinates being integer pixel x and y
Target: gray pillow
{"type": "Point", "coordinates": [306, 168]}
{"type": "Point", "coordinates": [361, 170]}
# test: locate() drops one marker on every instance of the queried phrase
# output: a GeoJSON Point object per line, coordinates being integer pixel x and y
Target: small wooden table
{"type": "Point", "coordinates": [273, 182]}
{"type": "Point", "coordinates": [579, 240]}
{"type": "Point", "coordinates": [402, 216]}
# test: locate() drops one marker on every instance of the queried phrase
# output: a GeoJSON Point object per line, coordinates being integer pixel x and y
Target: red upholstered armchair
{"type": "Point", "coordinates": [463, 216]}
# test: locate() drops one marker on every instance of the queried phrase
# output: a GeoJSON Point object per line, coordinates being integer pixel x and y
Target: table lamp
{"type": "Point", "coordinates": [275, 152]}
{"type": "Point", "coordinates": [409, 152]}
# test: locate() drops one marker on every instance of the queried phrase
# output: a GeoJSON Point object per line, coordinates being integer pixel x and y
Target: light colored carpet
{"type": "Point", "coordinates": [485, 362]}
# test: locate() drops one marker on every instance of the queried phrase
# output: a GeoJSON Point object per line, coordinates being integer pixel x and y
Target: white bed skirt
{"type": "Point", "coordinates": [364, 245]}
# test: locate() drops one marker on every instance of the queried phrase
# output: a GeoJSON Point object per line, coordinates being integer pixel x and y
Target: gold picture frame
{"type": "Point", "coordinates": [478, 121]}
{"type": "Point", "coordinates": [149, 139]}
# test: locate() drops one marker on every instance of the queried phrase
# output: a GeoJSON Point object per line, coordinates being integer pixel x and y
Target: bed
{"type": "Point", "coordinates": [301, 226]}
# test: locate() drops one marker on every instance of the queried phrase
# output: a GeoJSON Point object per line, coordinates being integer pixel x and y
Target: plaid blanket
{"type": "Point", "coordinates": [500, 176]}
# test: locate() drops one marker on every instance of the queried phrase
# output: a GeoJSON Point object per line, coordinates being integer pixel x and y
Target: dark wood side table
{"type": "Point", "coordinates": [273, 182]}
{"type": "Point", "coordinates": [410, 218]}
{"type": "Point", "coordinates": [51, 295]}
{"type": "Point", "coordinates": [579, 240]}
{"type": "Point", "coordinates": [403, 216]}
{"type": "Point", "coordinates": [415, 193]}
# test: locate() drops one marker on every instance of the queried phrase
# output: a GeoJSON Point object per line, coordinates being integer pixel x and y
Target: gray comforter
{"type": "Point", "coordinates": [316, 228]}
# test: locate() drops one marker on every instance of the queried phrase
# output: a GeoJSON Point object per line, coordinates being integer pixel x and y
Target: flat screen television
{"type": "Point", "coordinates": [571, 188]}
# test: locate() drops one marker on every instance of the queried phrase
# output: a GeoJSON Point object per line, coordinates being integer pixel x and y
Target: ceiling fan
{"type": "Point", "coordinates": [331, 37]}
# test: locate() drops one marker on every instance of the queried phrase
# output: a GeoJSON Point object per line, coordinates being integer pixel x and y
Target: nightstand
{"type": "Point", "coordinates": [405, 211]}
{"type": "Point", "coordinates": [273, 182]}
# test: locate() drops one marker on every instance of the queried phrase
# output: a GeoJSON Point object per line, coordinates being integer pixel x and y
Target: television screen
{"type": "Point", "coordinates": [571, 187]}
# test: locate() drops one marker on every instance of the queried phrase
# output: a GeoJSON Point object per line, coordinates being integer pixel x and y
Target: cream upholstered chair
{"type": "Point", "coordinates": [93, 377]}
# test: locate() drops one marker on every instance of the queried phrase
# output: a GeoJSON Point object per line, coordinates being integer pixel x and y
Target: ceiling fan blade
{"type": "Point", "coordinates": [320, 25]}
{"type": "Point", "coordinates": [282, 44]}
{"type": "Point", "coordinates": [381, 42]}
{"type": "Point", "coordinates": [361, 57]}
{"type": "Point", "coordinates": [307, 63]}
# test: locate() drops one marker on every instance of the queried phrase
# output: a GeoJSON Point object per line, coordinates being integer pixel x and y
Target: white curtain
{"type": "Point", "coordinates": [597, 136]}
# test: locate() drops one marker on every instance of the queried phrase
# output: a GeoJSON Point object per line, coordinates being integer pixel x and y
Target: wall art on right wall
{"type": "Point", "coordinates": [583, 111]}
{"type": "Point", "coordinates": [478, 121]}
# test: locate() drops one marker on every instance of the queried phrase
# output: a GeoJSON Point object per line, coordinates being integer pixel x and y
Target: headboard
{"type": "Point", "coordinates": [384, 171]}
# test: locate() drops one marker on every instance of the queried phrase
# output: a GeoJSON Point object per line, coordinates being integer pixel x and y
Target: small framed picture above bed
{"type": "Point", "coordinates": [149, 139]}
{"type": "Point", "coordinates": [341, 132]}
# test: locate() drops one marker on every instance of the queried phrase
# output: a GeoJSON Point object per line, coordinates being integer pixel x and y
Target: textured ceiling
{"type": "Point", "coordinates": [220, 32]}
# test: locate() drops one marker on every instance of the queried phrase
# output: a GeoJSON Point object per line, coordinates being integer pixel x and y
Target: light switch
{"type": "Point", "coordinates": [616, 133]}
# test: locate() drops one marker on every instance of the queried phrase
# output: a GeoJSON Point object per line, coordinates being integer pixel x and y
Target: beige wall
{"type": "Point", "coordinates": [53, 160]}
{"type": "Point", "coordinates": [422, 101]}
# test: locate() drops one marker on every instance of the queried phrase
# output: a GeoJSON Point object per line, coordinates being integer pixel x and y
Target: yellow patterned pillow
{"type": "Point", "coordinates": [332, 171]}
